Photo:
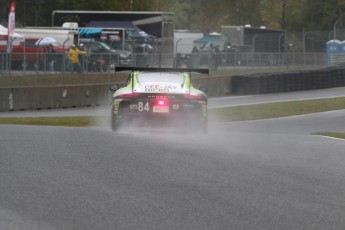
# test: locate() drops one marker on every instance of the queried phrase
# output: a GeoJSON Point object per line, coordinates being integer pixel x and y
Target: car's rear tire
{"type": "Point", "coordinates": [114, 122]}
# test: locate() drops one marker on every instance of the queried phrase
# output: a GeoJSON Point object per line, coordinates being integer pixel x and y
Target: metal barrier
{"type": "Point", "coordinates": [259, 83]}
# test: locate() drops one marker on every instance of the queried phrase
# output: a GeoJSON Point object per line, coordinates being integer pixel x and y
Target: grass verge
{"type": "Point", "coordinates": [51, 121]}
{"type": "Point", "coordinates": [275, 110]}
{"type": "Point", "coordinates": [331, 134]}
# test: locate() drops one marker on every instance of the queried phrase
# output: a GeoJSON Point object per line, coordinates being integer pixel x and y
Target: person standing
{"type": "Point", "coordinates": [82, 57]}
{"type": "Point", "coordinates": [211, 60]}
{"type": "Point", "coordinates": [51, 53]}
{"type": "Point", "coordinates": [73, 57]}
{"type": "Point", "coordinates": [217, 57]}
{"type": "Point", "coordinates": [195, 57]}
{"type": "Point", "coordinates": [178, 60]}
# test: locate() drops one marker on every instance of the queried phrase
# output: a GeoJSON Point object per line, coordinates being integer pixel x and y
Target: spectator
{"type": "Point", "coordinates": [211, 57]}
{"type": "Point", "coordinates": [41, 62]}
{"type": "Point", "coordinates": [73, 57]}
{"type": "Point", "coordinates": [195, 57]}
{"type": "Point", "coordinates": [178, 61]}
{"type": "Point", "coordinates": [217, 57]}
{"type": "Point", "coordinates": [51, 57]}
{"type": "Point", "coordinates": [82, 57]}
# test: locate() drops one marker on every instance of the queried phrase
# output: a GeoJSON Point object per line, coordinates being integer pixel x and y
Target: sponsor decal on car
{"type": "Point", "coordinates": [160, 88]}
{"type": "Point", "coordinates": [116, 105]}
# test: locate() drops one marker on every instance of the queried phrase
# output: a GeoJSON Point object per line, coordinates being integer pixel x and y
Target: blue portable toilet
{"type": "Point", "coordinates": [334, 47]}
{"type": "Point", "coordinates": [342, 47]}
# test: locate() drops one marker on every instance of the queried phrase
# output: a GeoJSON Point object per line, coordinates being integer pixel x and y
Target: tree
{"type": "Point", "coordinates": [272, 13]}
{"type": "Point", "coordinates": [203, 15]}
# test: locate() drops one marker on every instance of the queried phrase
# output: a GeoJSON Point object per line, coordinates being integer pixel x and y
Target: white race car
{"type": "Point", "coordinates": [159, 97]}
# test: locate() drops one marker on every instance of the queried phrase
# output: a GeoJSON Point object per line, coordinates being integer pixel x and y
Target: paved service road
{"type": "Point", "coordinates": [269, 174]}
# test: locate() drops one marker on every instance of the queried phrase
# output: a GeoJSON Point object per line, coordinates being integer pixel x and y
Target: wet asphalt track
{"type": "Point", "coordinates": [269, 174]}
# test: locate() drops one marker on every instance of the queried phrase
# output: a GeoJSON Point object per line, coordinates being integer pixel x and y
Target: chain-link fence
{"type": "Point", "coordinates": [106, 62]}
{"type": "Point", "coordinates": [307, 48]}
{"type": "Point", "coordinates": [258, 47]}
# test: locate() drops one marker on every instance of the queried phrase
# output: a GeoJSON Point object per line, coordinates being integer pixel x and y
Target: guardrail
{"type": "Point", "coordinates": [289, 81]}
{"type": "Point", "coordinates": [53, 97]}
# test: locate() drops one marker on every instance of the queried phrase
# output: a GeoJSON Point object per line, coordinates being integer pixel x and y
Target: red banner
{"type": "Point", "coordinates": [11, 24]}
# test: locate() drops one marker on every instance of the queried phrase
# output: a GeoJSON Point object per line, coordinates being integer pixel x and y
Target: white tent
{"type": "Point", "coordinates": [4, 34]}
{"type": "Point", "coordinates": [4, 31]}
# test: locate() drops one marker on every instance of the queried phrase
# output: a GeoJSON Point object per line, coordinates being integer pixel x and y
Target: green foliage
{"type": "Point", "coordinates": [271, 13]}
{"type": "Point", "coordinates": [204, 15]}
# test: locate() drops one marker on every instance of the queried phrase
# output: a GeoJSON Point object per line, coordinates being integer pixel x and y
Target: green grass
{"type": "Point", "coordinates": [331, 134]}
{"type": "Point", "coordinates": [275, 110]}
{"type": "Point", "coordinates": [52, 121]}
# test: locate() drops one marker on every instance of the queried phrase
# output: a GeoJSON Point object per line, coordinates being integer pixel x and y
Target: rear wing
{"type": "Point", "coordinates": [149, 69]}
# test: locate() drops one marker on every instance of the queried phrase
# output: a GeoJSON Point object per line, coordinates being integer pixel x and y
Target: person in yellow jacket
{"type": "Point", "coordinates": [73, 57]}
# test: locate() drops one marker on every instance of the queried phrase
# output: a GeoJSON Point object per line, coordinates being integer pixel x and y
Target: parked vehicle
{"type": "Point", "coordinates": [101, 57]}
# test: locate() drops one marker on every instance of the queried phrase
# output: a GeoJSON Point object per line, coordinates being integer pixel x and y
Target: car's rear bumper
{"type": "Point", "coordinates": [194, 120]}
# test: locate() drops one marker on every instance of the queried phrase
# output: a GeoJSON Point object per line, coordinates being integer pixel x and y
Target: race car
{"type": "Point", "coordinates": [159, 97]}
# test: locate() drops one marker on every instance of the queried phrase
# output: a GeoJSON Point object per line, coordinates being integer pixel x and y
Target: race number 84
{"type": "Point", "coordinates": [141, 106]}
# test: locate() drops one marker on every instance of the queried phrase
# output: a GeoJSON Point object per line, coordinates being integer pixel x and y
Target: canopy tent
{"type": "Point", "coordinates": [87, 32]}
{"type": "Point", "coordinates": [113, 24]}
{"type": "Point", "coordinates": [214, 39]}
{"type": "Point", "coordinates": [210, 38]}
{"type": "Point", "coordinates": [4, 33]}
{"type": "Point", "coordinates": [132, 29]}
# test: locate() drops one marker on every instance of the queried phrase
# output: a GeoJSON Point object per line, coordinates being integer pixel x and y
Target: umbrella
{"type": "Point", "coordinates": [45, 41]}
{"type": "Point", "coordinates": [146, 46]}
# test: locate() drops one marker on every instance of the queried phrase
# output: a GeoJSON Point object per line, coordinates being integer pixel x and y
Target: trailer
{"type": "Point", "coordinates": [254, 39]}
{"type": "Point", "coordinates": [246, 45]}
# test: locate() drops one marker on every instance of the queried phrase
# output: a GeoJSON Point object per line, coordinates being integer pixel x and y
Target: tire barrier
{"type": "Point", "coordinates": [290, 81]}
{"type": "Point", "coordinates": [216, 86]}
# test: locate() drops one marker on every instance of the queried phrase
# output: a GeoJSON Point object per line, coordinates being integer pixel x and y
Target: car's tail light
{"type": "Point", "coordinates": [130, 95]}
{"type": "Point", "coordinates": [161, 102]}
{"type": "Point", "coordinates": [193, 97]}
